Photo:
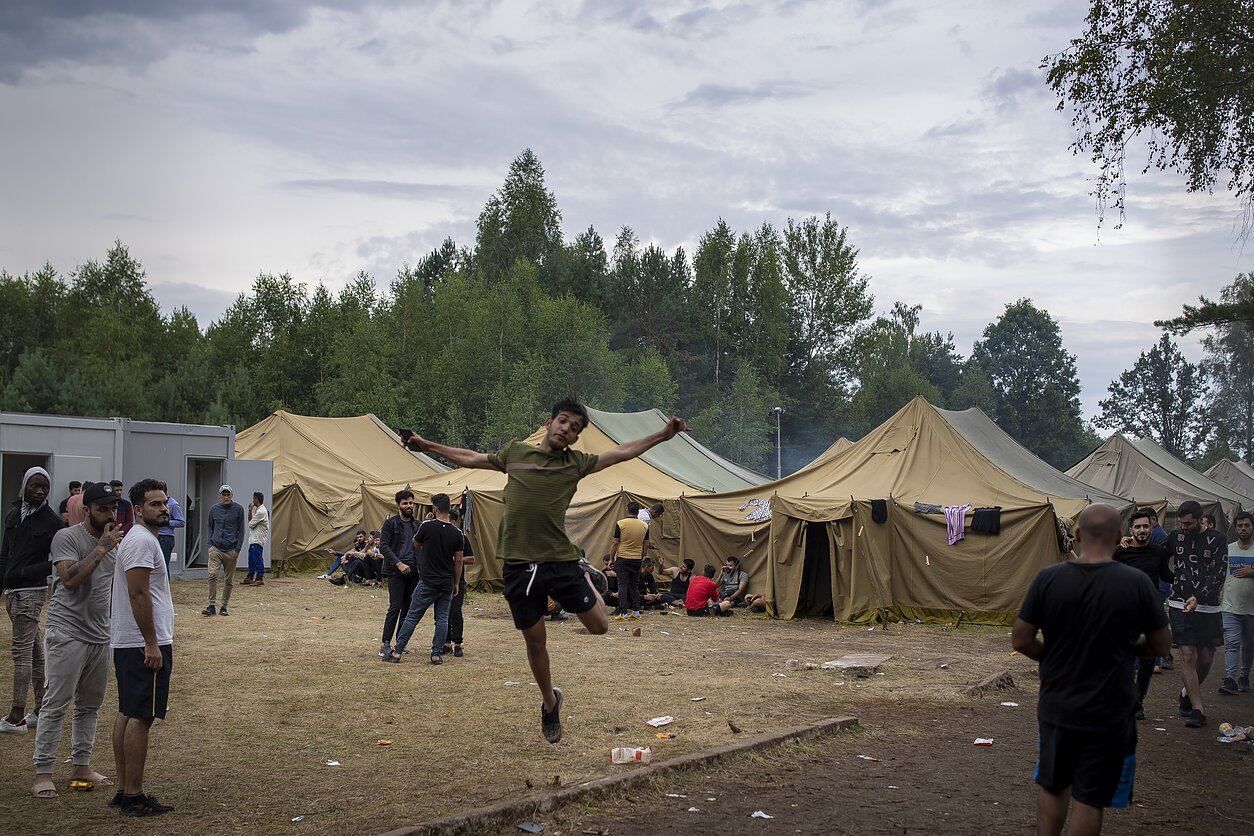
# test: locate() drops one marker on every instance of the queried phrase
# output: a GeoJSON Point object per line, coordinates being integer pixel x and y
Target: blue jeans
{"type": "Point", "coordinates": [424, 597]}
{"type": "Point", "coordinates": [1238, 632]}
{"type": "Point", "coordinates": [256, 566]}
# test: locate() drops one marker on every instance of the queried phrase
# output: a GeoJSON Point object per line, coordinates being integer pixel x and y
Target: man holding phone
{"type": "Point", "coordinates": [76, 639]}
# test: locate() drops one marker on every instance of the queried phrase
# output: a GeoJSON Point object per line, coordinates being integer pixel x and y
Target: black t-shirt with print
{"type": "Point", "coordinates": [1090, 615]}
{"type": "Point", "coordinates": [438, 542]}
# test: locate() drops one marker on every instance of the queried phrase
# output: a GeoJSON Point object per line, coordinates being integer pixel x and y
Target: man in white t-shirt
{"type": "Point", "coordinates": [258, 533]}
{"type": "Point", "coordinates": [142, 635]}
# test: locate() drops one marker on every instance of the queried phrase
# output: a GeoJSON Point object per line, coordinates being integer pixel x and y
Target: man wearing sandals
{"type": "Point", "coordinates": [539, 559]}
{"type": "Point", "coordinates": [76, 664]}
{"type": "Point", "coordinates": [439, 546]}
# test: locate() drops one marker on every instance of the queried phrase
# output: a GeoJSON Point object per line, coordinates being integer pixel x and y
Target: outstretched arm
{"type": "Point", "coordinates": [457, 455]}
{"type": "Point", "coordinates": [632, 449]}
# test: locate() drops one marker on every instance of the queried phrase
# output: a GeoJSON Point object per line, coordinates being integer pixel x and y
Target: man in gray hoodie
{"type": "Point", "coordinates": [226, 537]}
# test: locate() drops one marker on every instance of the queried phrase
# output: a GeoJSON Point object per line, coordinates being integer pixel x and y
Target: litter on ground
{"type": "Point", "coordinates": [758, 814]}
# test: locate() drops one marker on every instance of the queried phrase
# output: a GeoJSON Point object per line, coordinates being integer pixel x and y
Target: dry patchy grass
{"type": "Point", "coordinates": [262, 699]}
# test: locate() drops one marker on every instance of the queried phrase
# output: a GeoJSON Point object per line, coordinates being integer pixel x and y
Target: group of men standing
{"type": "Point", "coordinates": [1101, 616]}
{"type": "Point", "coordinates": [110, 591]}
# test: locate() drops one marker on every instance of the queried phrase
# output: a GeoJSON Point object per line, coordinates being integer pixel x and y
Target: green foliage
{"type": "Point", "coordinates": [1177, 76]}
{"type": "Point", "coordinates": [1035, 393]}
{"type": "Point", "coordinates": [1161, 397]}
{"type": "Point", "coordinates": [1229, 363]}
{"type": "Point", "coordinates": [738, 421]}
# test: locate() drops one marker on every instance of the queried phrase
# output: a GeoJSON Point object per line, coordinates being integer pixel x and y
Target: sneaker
{"type": "Point", "coordinates": [1186, 705]}
{"type": "Point", "coordinates": [1196, 719]}
{"type": "Point", "coordinates": [322, 577]}
{"type": "Point", "coordinates": [143, 805]}
{"type": "Point", "coordinates": [1140, 713]}
{"type": "Point", "coordinates": [32, 720]}
{"type": "Point", "coordinates": [448, 648]}
{"type": "Point", "coordinates": [1229, 687]}
{"type": "Point", "coordinates": [117, 799]}
{"type": "Point", "coordinates": [13, 728]}
{"type": "Point", "coordinates": [1167, 664]}
{"type": "Point", "coordinates": [248, 581]}
{"type": "Point", "coordinates": [223, 611]}
{"type": "Point", "coordinates": [458, 652]}
{"type": "Point", "coordinates": [1243, 684]}
{"type": "Point", "coordinates": [209, 610]}
{"type": "Point", "coordinates": [385, 650]}
{"type": "Point", "coordinates": [635, 616]}
{"type": "Point", "coordinates": [551, 721]}
{"type": "Point", "coordinates": [559, 616]}
{"type": "Point", "coordinates": [259, 582]}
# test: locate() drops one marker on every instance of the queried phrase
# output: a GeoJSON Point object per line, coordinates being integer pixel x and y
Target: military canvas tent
{"type": "Point", "coordinates": [843, 538]}
{"type": "Point", "coordinates": [1139, 469]}
{"type": "Point", "coordinates": [319, 467]}
{"type": "Point", "coordinates": [1237, 476]}
{"type": "Point", "coordinates": [838, 446]}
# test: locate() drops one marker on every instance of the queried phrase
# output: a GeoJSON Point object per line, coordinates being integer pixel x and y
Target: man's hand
{"type": "Point", "coordinates": [1191, 604]}
{"type": "Point", "coordinates": [1244, 572]}
{"type": "Point", "coordinates": [675, 426]}
{"type": "Point", "coordinates": [152, 657]}
{"type": "Point", "coordinates": [403, 567]}
{"type": "Point", "coordinates": [416, 442]}
{"type": "Point", "coordinates": [111, 537]}
{"type": "Point", "coordinates": [1125, 543]}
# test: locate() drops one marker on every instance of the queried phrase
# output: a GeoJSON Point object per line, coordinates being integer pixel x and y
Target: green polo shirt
{"type": "Point", "coordinates": [537, 493]}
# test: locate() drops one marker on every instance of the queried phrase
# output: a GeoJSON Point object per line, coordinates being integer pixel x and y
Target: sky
{"type": "Point", "coordinates": [325, 138]}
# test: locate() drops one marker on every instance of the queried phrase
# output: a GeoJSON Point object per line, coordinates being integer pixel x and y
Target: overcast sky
{"type": "Point", "coordinates": [325, 138]}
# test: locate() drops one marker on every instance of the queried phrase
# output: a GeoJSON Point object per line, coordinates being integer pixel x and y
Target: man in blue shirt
{"type": "Point", "coordinates": [166, 536]}
{"type": "Point", "coordinates": [226, 537]}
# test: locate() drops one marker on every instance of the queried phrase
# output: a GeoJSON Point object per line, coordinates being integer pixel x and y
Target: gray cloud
{"type": "Point", "coordinates": [1007, 87]}
{"type": "Point", "coordinates": [380, 188]}
{"type": "Point", "coordinates": [206, 303]}
{"type": "Point", "coordinates": [723, 95]}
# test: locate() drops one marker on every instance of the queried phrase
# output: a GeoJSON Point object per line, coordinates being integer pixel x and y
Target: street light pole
{"type": "Point", "coordinates": [779, 467]}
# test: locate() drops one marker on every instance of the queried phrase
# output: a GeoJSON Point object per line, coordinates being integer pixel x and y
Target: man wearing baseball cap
{"type": "Point", "coordinates": [76, 639]}
{"type": "Point", "coordinates": [226, 537]}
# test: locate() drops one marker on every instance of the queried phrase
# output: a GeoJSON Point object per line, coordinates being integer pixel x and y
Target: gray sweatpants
{"type": "Point", "coordinates": [78, 671]}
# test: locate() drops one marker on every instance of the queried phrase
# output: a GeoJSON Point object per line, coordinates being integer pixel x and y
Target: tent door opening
{"type": "Point", "coordinates": [815, 599]}
{"type": "Point", "coordinates": [204, 477]}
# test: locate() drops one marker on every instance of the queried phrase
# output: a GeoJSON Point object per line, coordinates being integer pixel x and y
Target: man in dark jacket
{"type": "Point", "coordinates": [24, 569]}
{"type": "Point", "coordinates": [400, 564]}
{"type": "Point", "coordinates": [1135, 551]}
{"type": "Point", "coordinates": [227, 527]}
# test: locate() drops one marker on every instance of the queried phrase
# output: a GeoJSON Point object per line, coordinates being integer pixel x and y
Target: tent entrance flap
{"type": "Point", "coordinates": [814, 599]}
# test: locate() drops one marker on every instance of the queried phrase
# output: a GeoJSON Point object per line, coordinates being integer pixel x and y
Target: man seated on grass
{"type": "Point", "coordinates": [339, 560]}
{"type": "Point", "coordinates": [733, 587]}
{"type": "Point", "coordinates": [680, 576]}
{"type": "Point", "coordinates": [611, 579]}
{"type": "Point", "coordinates": [650, 598]}
{"type": "Point", "coordinates": [702, 595]}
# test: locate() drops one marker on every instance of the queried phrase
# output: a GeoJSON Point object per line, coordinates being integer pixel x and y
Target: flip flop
{"type": "Point", "coordinates": [45, 790]}
{"type": "Point", "coordinates": [93, 780]}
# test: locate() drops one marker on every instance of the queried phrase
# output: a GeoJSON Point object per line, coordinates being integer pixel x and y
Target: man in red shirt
{"type": "Point", "coordinates": [702, 591]}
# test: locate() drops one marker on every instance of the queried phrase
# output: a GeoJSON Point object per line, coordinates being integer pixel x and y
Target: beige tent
{"type": "Point", "coordinates": [1142, 470]}
{"type": "Point", "coordinates": [319, 467]}
{"type": "Point", "coordinates": [809, 541]}
{"type": "Point", "coordinates": [1237, 476]}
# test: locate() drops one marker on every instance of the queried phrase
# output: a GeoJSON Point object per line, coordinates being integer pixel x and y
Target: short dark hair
{"type": "Point", "coordinates": [75, 484]}
{"type": "Point", "coordinates": [1141, 514]}
{"type": "Point", "coordinates": [360, 531]}
{"type": "Point", "coordinates": [1210, 518]}
{"type": "Point", "coordinates": [657, 509]}
{"type": "Point", "coordinates": [572, 406]}
{"type": "Point", "coordinates": [734, 559]}
{"type": "Point", "coordinates": [141, 488]}
{"type": "Point", "coordinates": [648, 561]}
{"type": "Point", "coordinates": [117, 483]}
{"type": "Point", "coordinates": [404, 493]}
{"type": "Point", "coordinates": [633, 508]}
{"type": "Point", "coordinates": [708, 571]}
{"type": "Point", "coordinates": [1243, 515]}
{"type": "Point", "coordinates": [163, 486]}
{"type": "Point", "coordinates": [374, 534]}
{"type": "Point", "coordinates": [87, 485]}
{"type": "Point", "coordinates": [440, 502]}
{"type": "Point", "coordinates": [689, 564]}
{"type": "Point", "coordinates": [259, 496]}
{"type": "Point", "coordinates": [1189, 508]}
{"type": "Point", "coordinates": [454, 514]}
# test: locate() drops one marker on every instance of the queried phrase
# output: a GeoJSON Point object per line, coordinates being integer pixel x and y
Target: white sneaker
{"type": "Point", "coordinates": [322, 577]}
{"type": "Point", "coordinates": [31, 721]}
{"type": "Point", "coordinates": [12, 728]}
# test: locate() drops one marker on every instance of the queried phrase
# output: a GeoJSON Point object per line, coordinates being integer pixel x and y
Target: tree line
{"type": "Point", "coordinates": [469, 342]}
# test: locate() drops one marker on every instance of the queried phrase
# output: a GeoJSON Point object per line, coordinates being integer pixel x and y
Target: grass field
{"type": "Point", "coordinates": [261, 700]}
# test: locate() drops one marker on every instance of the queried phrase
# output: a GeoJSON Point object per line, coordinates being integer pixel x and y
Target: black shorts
{"type": "Point", "coordinates": [1196, 629]}
{"type": "Point", "coordinates": [142, 692]}
{"type": "Point", "coordinates": [528, 586]}
{"type": "Point", "coordinates": [1097, 766]}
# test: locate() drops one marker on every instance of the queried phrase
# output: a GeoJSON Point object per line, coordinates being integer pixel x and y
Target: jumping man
{"type": "Point", "coordinates": [539, 559]}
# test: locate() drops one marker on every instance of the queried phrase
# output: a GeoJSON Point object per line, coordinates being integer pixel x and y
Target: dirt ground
{"type": "Point", "coordinates": [261, 701]}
